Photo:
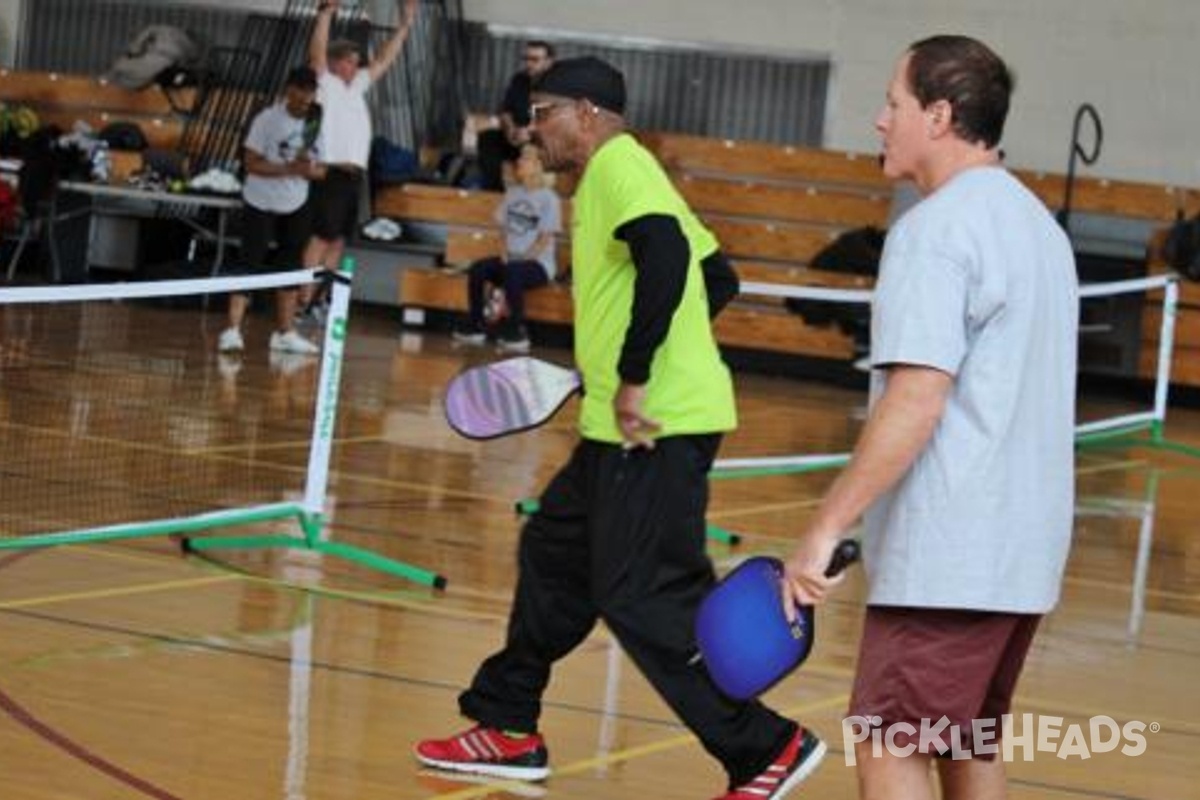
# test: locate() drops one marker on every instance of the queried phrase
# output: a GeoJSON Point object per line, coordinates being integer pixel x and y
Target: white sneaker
{"type": "Point", "coordinates": [285, 362]}
{"type": "Point", "coordinates": [229, 340]}
{"type": "Point", "coordinates": [292, 342]}
{"type": "Point", "coordinates": [469, 335]}
{"type": "Point", "coordinates": [513, 342]}
{"type": "Point", "coordinates": [228, 366]}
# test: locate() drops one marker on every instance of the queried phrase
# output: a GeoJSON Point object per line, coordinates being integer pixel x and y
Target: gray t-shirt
{"type": "Point", "coordinates": [978, 281]}
{"type": "Point", "coordinates": [526, 213]}
{"type": "Point", "coordinates": [278, 137]}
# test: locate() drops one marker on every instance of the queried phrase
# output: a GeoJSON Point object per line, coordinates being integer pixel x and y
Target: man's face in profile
{"type": "Point", "coordinates": [536, 61]}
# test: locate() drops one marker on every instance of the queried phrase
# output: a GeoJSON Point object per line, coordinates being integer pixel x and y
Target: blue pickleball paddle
{"type": "Point", "coordinates": [744, 638]}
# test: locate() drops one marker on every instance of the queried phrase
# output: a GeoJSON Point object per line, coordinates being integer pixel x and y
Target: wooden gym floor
{"type": "Point", "coordinates": [127, 670]}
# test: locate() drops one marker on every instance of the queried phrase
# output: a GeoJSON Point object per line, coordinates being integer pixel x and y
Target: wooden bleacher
{"type": "Point", "coordinates": [64, 99]}
{"type": "Point", "coordinates": [763, 249]}
{"type": "Point", "coordinates": [773, 208]}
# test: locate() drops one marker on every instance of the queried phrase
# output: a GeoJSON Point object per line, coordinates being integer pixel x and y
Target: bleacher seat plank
{"type": "Point", "coordinates": [465, 246]}
{"type": "Point", "coordinates": [1187, 325]}
{"type": "Point", "coordinates": [777, 330]}
{"type": "Point", "coordinates": [438, 204]}
{"type": "Point", "coordinates": [682, 153]}
{"type": "Point", "coordinates": [745, 198]}
{"type": "Point", "coordinates": [54, 91]}
{"type": "Point", "coordinates": [768, 241]}
{"type": "Point", "coordinates": [798, 275]}
{"type": "Point", "coordinates": [1102, 196]}
{"type": "Point", "coordinates": [425, 288]}
{"type": "Point", "coordinates": [1185, 365]}
{"type": "Point", "coordinates": [740, 325]}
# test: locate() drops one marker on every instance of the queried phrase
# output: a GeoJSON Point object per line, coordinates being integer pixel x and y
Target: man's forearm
{"type": "Point", "coordinates": [319, 43]}
{"type": "Point", "coordinates": [391, 49]}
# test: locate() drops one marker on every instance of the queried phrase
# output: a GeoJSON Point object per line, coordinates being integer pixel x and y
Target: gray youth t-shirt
{"type": "Point", "coordinates": [526, 213]}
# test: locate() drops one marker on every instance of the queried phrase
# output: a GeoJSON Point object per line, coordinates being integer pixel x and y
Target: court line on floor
{"type": "Point", "coordinates": [289, 445]}
{"type": "Point", "coordinates": [126, 591]}
{"type": "Point", "coordinates": [627, 754]}
{"type": "Point", "coordinates": [81, 752]}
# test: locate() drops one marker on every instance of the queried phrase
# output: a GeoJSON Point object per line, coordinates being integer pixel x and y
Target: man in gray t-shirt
{"type": "Point", "coordinates": [965, 468]}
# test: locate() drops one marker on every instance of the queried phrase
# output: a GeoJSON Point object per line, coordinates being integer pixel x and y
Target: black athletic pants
{"type": "Point", "coordinates": [620, 536]}
{"type": "Point", "coordinates": [515, 277]}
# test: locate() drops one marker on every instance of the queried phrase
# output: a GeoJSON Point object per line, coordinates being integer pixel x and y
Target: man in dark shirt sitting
{"type": "Point", "coordinates": [503, 144]}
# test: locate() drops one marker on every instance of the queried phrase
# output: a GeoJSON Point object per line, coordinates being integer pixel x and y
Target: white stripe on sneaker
{"type": "Point", "coordinates": [805, 769]}
{"type": "Point", "coordinates": [493, 749]}
{"type": "Point", "coordinates": [468, 745]}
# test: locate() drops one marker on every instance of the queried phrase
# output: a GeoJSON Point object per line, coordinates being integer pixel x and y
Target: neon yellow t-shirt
{"type": "Point", "coordinates": [690, 390]}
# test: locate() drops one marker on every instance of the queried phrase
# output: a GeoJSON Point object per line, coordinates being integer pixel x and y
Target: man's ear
{"type": "Point", "coordinates": [938, 118]}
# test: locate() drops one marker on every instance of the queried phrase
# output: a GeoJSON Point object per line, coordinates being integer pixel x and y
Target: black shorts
{"type": "Point", "coordinates": [334, 202]}
{"type": "Point", "coordinates": [288, 233]}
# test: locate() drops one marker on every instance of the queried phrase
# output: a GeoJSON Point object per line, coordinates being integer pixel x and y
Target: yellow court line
{"type": "Point", "coordinates": [292, 445]}
{"type": "Point", "coordinates": [628, 754]}
{"type": "Point", "coordinates": [126, 591]}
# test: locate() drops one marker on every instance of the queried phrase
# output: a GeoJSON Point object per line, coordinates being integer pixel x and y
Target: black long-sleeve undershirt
{"type": "Point", "coordinates": [661, 254]}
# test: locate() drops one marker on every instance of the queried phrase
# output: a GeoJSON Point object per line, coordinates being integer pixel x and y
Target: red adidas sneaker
{"type": "Point", "coordinates": [487, 751]}
{"type": "Point", "coordinates": [797, 761]}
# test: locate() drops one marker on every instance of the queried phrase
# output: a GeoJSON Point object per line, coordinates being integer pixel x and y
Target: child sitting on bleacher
{"type": "Point", "coordinates": [531, 215]}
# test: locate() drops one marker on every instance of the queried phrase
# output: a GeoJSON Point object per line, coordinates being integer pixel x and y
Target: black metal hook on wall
{"type": "Point", "coordinates": [1086, 110]}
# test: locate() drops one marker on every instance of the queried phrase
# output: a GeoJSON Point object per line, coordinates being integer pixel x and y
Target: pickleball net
{"type": "Point", "coordinates": [1135, 414]}
{"type": "Point", "coordinates": [119, 420]}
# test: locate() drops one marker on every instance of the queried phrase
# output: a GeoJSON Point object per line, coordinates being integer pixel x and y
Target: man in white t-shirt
{"type": "Point", "coordinates": [965, 468]}
{"type": "Point", "coordinates": [280, 158]}
{"type": "Point", "coordinates": [346, 132]}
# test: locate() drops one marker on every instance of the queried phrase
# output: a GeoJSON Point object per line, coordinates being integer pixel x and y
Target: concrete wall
{"type": "Point", "coordinates": [1136, 62]}
{"type": "Point", "coordinates": [9, 13]}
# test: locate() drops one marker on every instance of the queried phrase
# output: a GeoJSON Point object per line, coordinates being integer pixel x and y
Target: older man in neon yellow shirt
{"type": "Point", "coordinates": [619, 535]}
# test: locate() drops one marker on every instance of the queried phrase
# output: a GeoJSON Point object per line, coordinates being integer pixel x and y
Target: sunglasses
{"type": "Point", "coordinates": [542, 111]}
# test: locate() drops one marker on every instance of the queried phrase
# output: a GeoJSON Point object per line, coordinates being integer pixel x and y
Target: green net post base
{"type": "Point", "coordinates": [310, 524]}
{"type": "Point", "coordinates": [1149, 435]}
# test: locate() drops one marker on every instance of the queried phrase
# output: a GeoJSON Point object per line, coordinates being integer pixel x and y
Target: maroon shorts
{"type": "Point", "coordinates": [917, 665]}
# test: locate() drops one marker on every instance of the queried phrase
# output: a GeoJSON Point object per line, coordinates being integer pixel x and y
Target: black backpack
{"type": "Point", "coordinates": [1182, 247]}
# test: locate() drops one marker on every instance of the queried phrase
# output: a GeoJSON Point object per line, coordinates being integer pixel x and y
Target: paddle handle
{"type": "Point", "coordinates": [846, 553]}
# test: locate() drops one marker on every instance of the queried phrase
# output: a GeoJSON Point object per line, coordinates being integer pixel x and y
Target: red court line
{"type": "Point", "coordinates": [24, 717]}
